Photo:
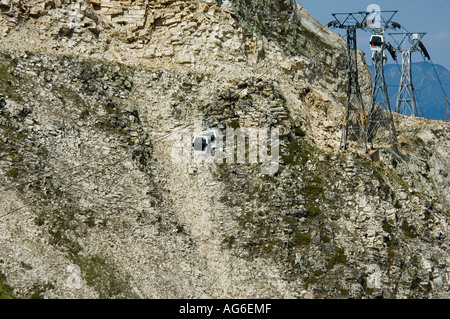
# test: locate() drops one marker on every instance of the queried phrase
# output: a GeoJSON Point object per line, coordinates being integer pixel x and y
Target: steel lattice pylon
{"type": "Point", "coordinates": [355, 117]}
{"type": "Point", "coordinates": [380, 113]}
{"type": "Point", "coordinates": [406, 98]}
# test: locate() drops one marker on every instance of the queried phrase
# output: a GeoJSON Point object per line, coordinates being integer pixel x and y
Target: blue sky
{"type": "Point", "coordinates": [431, 16]}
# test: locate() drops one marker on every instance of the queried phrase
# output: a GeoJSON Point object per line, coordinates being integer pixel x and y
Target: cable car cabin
{"type": "Point", "coordinates": [376, 43]}
{"type": "Point", "coordinates": [206, 142]}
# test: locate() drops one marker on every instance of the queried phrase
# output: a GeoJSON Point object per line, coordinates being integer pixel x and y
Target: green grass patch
{"type": "Point", "coordinates": [408, 230]}
{"type": "Point", "coordinates": [338, 258]}
{"type": "Point", "coordinates": [234, 124]}
{"type": "Point", "coordinates": [317, 179]}
{"type": "Point", "coordinates": [229, 241]}
{"type": "Point", "coordinates": [6, 292]}
{"type": "Point", "coordinates": [8, 81]}
{"type": "Point", "coordinates": [298, 131]}
{"type": "Point", "coordinates": [313, 191]}
{"type": "Point", "coordinates": [313, 210]}
{"type": "Point", "coordinates": [104, 277]}
{"type": "Point", "coordinates": [326, 239]}
{"type": "Point", "coordinates": [301, 239]}
{"type": "Point", "coordinates": [13, 173]}
{"type": "Point", "coordinates": [387, 227]}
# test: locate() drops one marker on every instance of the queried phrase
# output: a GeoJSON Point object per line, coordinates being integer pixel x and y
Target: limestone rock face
{"type": "Point", "coordinates": [102, 196]}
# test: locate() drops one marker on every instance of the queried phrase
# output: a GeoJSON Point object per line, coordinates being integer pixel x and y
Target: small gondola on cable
{"type": "Point", "coordinates": [206, 141]}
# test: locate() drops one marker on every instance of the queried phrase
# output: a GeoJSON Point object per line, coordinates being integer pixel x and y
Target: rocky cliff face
{"type": "Point", "coordinates": [102, 198]}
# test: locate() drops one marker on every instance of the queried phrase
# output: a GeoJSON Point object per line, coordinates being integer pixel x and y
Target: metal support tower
{"type": "Point", "coordinates": [408, 44]}
{"type": "Point", "coordinates": [380, 113]}
{"type": "Point", "coordinates": [406, 100]}
{"type": "Point", "coordinates": [355, 118]}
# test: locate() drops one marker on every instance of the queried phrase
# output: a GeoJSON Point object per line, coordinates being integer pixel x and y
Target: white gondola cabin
{"type": "Point", "coordinates": [207, 141]}
{"type": "Point", "coordinates": [376, 43]}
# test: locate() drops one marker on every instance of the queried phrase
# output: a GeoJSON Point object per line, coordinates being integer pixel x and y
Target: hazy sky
{"type": "Point", "coordinates": [431, 16]}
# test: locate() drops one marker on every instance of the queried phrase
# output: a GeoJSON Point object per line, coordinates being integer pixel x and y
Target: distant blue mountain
{"type": "Point", "coordinates": [431, 99]}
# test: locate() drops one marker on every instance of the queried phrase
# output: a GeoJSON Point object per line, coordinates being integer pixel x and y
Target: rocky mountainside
{"type": "Point", "coordinates": [102, 197]}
